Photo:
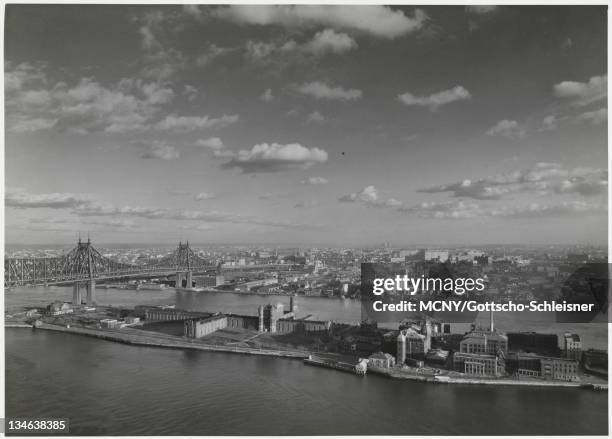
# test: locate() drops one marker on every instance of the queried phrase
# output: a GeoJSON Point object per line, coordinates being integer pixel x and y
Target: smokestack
{"type": "Point", "coordinates": [491, 324]}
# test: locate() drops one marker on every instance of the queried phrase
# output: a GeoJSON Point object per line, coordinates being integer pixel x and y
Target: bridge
{"type": "Point", "coordinates": [83, 266]}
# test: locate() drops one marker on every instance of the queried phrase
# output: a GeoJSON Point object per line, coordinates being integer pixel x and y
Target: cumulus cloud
{"type": "Point", "coordinates": [213, 143]}
{"type": "Point", "coordinates": [259, 50]}
{"type": "Point", "coordinates": [86, 106]}
{"type": "Point", "coordinates": [596, 117]}
{"type": "Point", "coordinates": [457, 209]}
{"type": "Point", "coordinates": [321, 90]}
{"type": "Point", "coordinates": [181, 215]}
{"type": "Point", "coordinates": [510, 129]}
{"type": "Point", "coordinates": [454, 209]}
{"type": "Point", "coordinates": [369, 196]}
{"type": "Point", "coordinates": [377, 20]}
{"type": "Point", "coordinates": [328, 41]}
{"type": "Point", "coordinates": [24, 124]}
{"type": "Point", "coordinates": [130, 105]}
{"type": "Point", "coordinates": [315, 117]}
{"type": "Point", "coordinates": [549, 123]}
{"type": "Point", "coordinates": [159, 150]}
{"type": "Point", "coordinates": [83, 206]}
{"type": "Point", "coordinates": [537, 210]}
{"type": "Point", "coordinates": [436, 100]}
{"type": "Point", "coordinates": [190, 92]}
{"type": "Point", "coordinates": [267, 95]}
{"type": "Point", "coordinates": [276, 157]}
{"type": "Point", "coordinates": [156, 94]}
{"type": "Point", "coordinates": [542, 179]}
{"type": "Point", "coordinates": [192, 123]}
{"type": "Point", "coordinates": [23, 200]}
{"type": "Point", "coordinates": [211, 52]}
{"type": "Point", "coordinates": [315, 180]}
{"type": "Point", "coordinates": [583, 93]}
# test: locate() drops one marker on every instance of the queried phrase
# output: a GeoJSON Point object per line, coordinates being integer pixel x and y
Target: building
{"type": "Point", "coordinates": [109, 323]}
{"type": "Point", "coordinates": [59, 308]}
{"type": "Point", "coordinates": [523, 364]}
{"type": "Point", "coordinates": [154, 313]}
{"type": "Point", "coordinates": [533, 342]}
{"type": "Point", "coordinates": [480, 364]}
{"type": "Point", "coordinates": [242, 322]}
{"type": "Point", "coordinates": [443, 328]}
{"type": "Point", "coordinates": [248, 286]}
{"type": "Point", "coordinates": [401, 348]}
{"type": "Point", "coordinates": [202, 327]}
{"type": "Point", "coordinates": [381, 359]}
{"type": "Point", "coordinates": [572, 346]}
{"type": "Point", "coordinates": [436, 255]}
{"type": "Point", "coordinates": [438, 356]}
{"type": "Point", "coordinates": [209, 281]}
{"type": "Point", "coordinates": [595, 361]}
{"type": "Point", "coordinates": [411, 344]}
{"type": "Point", "coordinates": [271, 315]}
{"type": "Point", "coordinates": [303, 326]}
{"type": "Point", "coordinates": [361, 367]}
{"type": "Point", "coordinates": [484, 342]}
{"type": "Point", "coordinates": [563, 369]}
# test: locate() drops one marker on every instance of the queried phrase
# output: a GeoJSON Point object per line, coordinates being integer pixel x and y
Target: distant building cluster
{"type": "Point", "coordinates": [481, 352]}
{"type": "Point", "coordinates": [270, 318]}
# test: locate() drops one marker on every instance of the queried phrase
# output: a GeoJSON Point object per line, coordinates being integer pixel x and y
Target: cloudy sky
{"type": "Point", "coordinates": [323, 125]}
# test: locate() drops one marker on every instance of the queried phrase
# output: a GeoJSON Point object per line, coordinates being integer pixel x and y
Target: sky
{"type": "Point", "coordinates": [306, 125]}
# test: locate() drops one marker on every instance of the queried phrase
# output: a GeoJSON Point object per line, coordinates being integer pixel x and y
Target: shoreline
{"type": "Point", "coordinates": [144, 338]}
{"type": "Point", "coordinates": [154, 340]}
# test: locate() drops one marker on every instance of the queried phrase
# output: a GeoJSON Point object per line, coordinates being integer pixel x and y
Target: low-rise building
{"type": "Point", "coordinates": [382, 359]}
{"type": "Point", "coordinates": [478, 364]}
{"type": "Point", "coordinates": [109, 323]}
{"type": "Point", "coordinates": [563, 369]}
{"type": "Point", "coordinates": [59, 308]}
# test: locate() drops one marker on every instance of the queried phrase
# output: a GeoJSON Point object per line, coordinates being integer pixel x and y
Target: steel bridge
{"type": "Point", "coordinates": [84, 265]}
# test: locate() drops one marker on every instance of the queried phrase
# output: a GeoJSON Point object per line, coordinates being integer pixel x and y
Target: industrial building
{"type": "Point", "coordinates": [411, 344]}
{"type": "Point", "coordinates": [533, 342]}
{"type": "Point", "coordinates": [572, 346]}
{"type": "Point", "coordinates": [564, 369]}
{"type": "Point", "coordinates": [202, 327]}
{"type": "Point", "coordinates": [482, 352]}
{"type": "Point", "coordinates": [478, 364]}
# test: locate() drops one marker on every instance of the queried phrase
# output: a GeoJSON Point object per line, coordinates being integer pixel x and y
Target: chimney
{"type": "Point", "coordinates": [491, 324]}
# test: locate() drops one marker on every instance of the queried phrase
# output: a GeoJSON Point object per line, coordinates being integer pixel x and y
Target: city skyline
{"type": "Point", "coordinates": [306, 124]}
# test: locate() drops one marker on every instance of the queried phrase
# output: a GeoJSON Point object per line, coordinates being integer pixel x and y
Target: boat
{"type": "Point", "coordinates": [151, 286]}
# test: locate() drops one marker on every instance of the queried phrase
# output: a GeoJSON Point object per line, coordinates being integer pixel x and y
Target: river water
{"type": "Point", "coordinates": [107, 388]}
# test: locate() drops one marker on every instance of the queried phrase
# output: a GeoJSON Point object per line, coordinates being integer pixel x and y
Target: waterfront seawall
{"type": "Point", "coordinates": [145, 338]}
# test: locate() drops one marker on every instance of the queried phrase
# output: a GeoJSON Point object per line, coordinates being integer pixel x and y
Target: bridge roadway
{"type": "Point", "coordinates": [151, 272]}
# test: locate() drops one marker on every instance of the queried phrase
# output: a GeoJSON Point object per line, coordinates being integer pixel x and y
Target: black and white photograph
{"type": "Point", "coordinates": [305, 219]}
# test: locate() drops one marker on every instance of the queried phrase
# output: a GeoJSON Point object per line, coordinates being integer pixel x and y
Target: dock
{"type": "Point", "coordinates": [331, 364]}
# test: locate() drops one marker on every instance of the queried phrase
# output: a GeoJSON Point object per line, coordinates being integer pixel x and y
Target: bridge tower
{"type": "Point", "coordinates": [84, 259]}
{"type": "Point", "coordinates": [183, 262]}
